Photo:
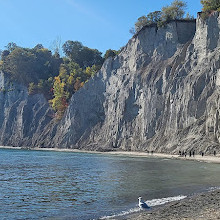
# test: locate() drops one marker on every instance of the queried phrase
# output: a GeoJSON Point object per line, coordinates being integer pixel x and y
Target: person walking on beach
{"type": "Point", "coordinates": [190, 153]}
{"type": "Point", "coordinates": [193, 153]}
{"type": "Point", "coordinates": [202, 154]}
{"type": "Point", "coordinates": [214, 153]}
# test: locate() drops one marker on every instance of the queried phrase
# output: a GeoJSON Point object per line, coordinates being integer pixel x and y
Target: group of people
{"type": "Point", "coordinates": [184, 153]}
{"type": "Point", "coordinates": [192, 153]}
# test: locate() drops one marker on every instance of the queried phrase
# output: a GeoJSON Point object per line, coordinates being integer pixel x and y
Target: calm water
{"type": "Point", "coordinates": [66, 185]}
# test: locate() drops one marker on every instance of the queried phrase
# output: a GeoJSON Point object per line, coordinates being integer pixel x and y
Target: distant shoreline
{"type": "Point", "coordinates": [207, 159]}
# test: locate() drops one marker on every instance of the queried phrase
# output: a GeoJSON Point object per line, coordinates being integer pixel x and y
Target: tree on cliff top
{"type": "Point", "coordinates": [174, 11]}
{"type": "Point", "coordinates": [210, 5]}
{"type": "Point", "coordinates": [151, 18]}
{"type": "Point", "coordinates": [82, 55]}
{"type": "Point", "coordinates": [110, 53]}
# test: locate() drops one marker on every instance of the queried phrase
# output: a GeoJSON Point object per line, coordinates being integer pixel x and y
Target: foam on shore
{"type": "Point", "coordinates": [151, 203]}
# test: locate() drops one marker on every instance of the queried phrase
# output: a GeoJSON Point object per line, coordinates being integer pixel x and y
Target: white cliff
{"type": "Point", "coordinates": [160, 93]}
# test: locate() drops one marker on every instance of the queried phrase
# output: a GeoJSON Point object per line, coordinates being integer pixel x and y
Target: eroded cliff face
{"type": "Point", "coordinates": [23, 118]}
{"type": "Point", "coordinates": [160, 93]}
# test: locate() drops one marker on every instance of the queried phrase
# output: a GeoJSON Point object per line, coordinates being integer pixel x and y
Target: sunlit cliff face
{"type": "Point", "coordinates": [159, 94]}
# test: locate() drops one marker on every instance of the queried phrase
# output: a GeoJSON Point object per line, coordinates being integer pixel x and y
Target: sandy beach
{"type": "Point", "coordinates": [205, 158]}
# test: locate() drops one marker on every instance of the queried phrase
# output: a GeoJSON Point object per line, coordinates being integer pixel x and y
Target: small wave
{"type": "Point", "coordinates": [162, 201]}
{"type": "Point", "coordinates": [123, 213]}
{"type": "Point", "coordinates": [214, 188]}
{"type": "Point", "coordinates": [151, 203]}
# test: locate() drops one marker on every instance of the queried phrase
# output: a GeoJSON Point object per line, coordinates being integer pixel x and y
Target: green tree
{"type": "Point", "coordinates": [4, 55]}
{"type": "Point", "coordinates": [19, 64]}
{"type": "Point", "coordinates": [174, 11]}
{"type": "Point", "coordinates": [171, 12]}
{"type": "Point", "coordinates": [30, 65]}
{"type": "Point", "coordinates": [210, 5]}
{"type": "Point", "coordinates": [154, 17]}
{"type": "Point", "coordinates": [82, 55]}
{"type": "Point", "coordinates": [110, 53]}
{"type": "Point", "coordinates": [91, 71]}
{"type": "Point", "coordinates": [141, 22]}
{"type": "Point", "coordinates": [151, 18]}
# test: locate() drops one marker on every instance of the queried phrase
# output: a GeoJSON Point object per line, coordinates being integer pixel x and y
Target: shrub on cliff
{"type": "Point", "coordinates": [175, 11]}
{"type": "Point", "coordinates": [110, 53]}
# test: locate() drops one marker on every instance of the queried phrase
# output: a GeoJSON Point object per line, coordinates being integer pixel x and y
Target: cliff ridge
{"type": "Point", "coordinates": [160, 93]}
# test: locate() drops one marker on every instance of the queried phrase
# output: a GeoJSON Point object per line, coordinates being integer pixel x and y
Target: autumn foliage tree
{"type": "Point", "coordinates": [44, 72]}
{"type": "Point", "coordinates": [59, 102]}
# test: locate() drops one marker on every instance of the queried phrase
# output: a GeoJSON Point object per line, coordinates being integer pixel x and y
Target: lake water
{"type": "Point", "coordinates": [67, 185]}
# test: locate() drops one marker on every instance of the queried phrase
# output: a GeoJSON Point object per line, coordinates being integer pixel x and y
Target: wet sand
{"type": "Point", "coordinates": [203, 206]}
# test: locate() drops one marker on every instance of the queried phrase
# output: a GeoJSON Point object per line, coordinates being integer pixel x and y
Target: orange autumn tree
{"type": "Point", "coordinates": [59, 102]}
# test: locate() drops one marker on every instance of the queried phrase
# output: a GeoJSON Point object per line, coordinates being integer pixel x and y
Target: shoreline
{"type": "Point", "coordinates": [204, 205]}
{"type": "Point", "coordinates": [199, 158]}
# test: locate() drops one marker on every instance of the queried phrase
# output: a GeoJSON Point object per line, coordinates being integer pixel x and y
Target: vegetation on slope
{"type": "Point", "coordinates": [58, 78]}
{"type": "Point", "coordinates": [175, 11]}
{"type": "Point", "coordinates": [209, 6]}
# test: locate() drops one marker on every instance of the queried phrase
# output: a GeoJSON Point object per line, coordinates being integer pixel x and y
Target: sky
{"type": "Point", "coordinates": [98, 24]}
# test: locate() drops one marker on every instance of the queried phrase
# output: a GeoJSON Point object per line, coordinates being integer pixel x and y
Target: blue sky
{"type": "Point", "coordinates": [100, 24]}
